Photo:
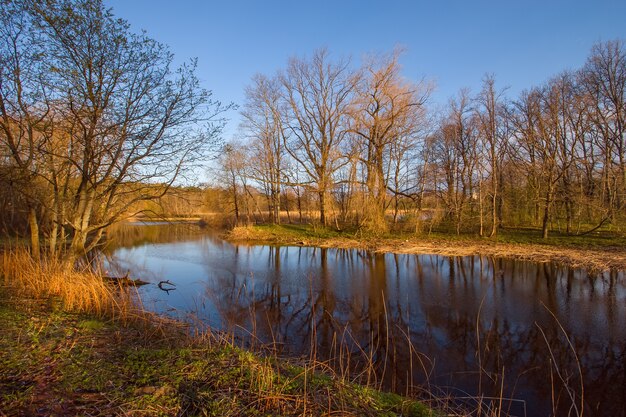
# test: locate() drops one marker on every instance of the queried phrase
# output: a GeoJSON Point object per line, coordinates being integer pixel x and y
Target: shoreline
{"type": "Point", "coordinates": [594, 259]}
{"type": "Point", "coordinates": [146, 366]}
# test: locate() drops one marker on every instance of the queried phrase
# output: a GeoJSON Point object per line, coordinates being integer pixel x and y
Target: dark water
{"type": "Point", "coordinates": [540, 335]}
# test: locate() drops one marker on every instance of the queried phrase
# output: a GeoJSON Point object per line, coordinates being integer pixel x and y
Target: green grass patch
{"type": "Point", "coordinates": [91, 324]}
{"type": "Point", "coordinates": [316, 235]}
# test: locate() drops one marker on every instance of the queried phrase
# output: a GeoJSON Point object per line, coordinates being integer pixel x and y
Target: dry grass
{"type": "Point", "coordinates": [587, 258]}
{"type": "Point", "coordinates": [242, 233]}
{"type": "Point", "coordinates": [76, 291]}
{"type": "Point", "coordinates": [58, 363]}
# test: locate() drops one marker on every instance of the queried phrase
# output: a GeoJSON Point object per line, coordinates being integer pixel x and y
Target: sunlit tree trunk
{"type": "Point", "coordinates": [34, 233]}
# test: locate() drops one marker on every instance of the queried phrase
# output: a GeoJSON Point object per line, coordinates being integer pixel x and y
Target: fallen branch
{"type": "Point", "coordinates": [162, 286]}
{"type": "Point", "coordinates": [125, 281]}
{"type": "Point", "coordinates": [595, 228]}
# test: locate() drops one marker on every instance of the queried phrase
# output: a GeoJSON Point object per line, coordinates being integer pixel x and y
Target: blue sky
{"type": "Point", "coordinates": [453, 43]}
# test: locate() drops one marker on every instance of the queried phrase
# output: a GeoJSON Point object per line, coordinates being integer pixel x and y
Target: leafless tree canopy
{"type": "Point", "coordinates": [362, 140]}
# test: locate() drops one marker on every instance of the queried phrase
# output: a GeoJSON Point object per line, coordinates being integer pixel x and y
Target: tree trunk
{"type": "Point", "coordinates": [34, 234]}
{"type": "Point", "coordinates": [480, 209]}
{"type": "Point", "coordinates": [270, 208]}
{"type": "Point", "coordinates": [322, 198]}
{"type": "Point", "coordinates": [277, 206]}
{"type": "Point", "coordinates": [299, 200]}
{"type": "Point", "coordinates": [494, 210]}
{"type": "Point", "coordinates": [53, 239]}
{"type": "Point", "coordinates": [287, 207]}
{"type": "Point", "coordinates": [546, 215]}
{"type": "Point", "coordinates": [236, 203]}
{"type": "Point", "coordinates": [77, 248]}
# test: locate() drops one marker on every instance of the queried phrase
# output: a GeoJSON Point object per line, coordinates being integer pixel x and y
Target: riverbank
{"type": "Point", "coordinates": [599, 252]}
{"type": "Point", "coordinates": [63, 358]}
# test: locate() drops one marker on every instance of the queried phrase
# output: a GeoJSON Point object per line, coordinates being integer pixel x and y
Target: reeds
{"type": "Point", "coordinates": [76, 291]}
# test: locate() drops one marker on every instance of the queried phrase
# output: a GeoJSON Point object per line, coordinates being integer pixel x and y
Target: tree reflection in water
{"type": "Point", "coordinates": [469, 326]}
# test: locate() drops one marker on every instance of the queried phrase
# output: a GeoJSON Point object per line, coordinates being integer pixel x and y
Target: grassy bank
{"type": "Point", "coordinates": [66, 354]}
{"type": "Point", "coordinates": [599, 251]}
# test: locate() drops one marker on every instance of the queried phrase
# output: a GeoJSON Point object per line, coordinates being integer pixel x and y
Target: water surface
{"type": "Point", "coordinates": [464, 326]}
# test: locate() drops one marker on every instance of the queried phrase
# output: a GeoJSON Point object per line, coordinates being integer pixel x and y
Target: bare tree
{"type": "Point", "coordinates": [387, 109]}
{"type": "Point", "coordinates": [105, 115]}
{"type": "Point", "coordinates": [318, 93]}
{"type": "Point", "coordinates": [457, 151]}
{"type": "Point", "coordinates": [263, 123]}
{"type": "Point", "coordinates": [547, 141]}
{"type": "Point", "coordinates": [23, 113]}
{"type": "Point", "coordinates": [491, 116]}
{"type": "Point", "coordinates": [233, 175]}
{"type": "Point", "coordinates": [604, 79]}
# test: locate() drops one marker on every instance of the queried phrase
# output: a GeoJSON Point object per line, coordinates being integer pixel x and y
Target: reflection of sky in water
{"type": "Point", "coordinates": [441, 302]}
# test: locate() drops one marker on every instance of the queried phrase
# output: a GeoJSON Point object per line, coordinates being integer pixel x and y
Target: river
{"type": "Point", "coordinates": [537, 337]}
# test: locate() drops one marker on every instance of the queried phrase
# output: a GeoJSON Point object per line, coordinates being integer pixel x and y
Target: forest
{"type": "Point", "coordinates": [96, 126]}
{"type": "Point", "coordinates": [365, 147]}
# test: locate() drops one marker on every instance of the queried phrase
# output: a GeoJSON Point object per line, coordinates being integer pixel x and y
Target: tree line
{"type": "Point", "coordinates": [95, 121]}
{"type": "Point", "coordinates": [366, 148]}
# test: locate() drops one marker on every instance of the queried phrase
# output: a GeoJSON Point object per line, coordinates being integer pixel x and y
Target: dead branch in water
{"type": "Point", "coordinates": [162, 286]}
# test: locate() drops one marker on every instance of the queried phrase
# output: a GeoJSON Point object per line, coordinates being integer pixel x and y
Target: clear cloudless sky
{"type": "Point", "coordinates": [455, 43]}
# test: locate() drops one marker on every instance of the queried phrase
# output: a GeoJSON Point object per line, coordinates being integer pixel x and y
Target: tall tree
{"type": "Point", "coordinates": [318, 94]}
{"type": "Point", "coordinates": [233, 175]}
{"type": "Point", "coordinates": [264, 126]}
{"type": "Point", "coordinates": [490, 112]}
{"type": "Point", "coordinates": [24, 110]}
{"type": "Point", "coordinates": [548, 142]}
{"type": "Point", "coordinates": [457, 150]}
{"type": "Point", "coordinates": [604, 79]}
{"type": "Point", "coordinates": [387, 109]}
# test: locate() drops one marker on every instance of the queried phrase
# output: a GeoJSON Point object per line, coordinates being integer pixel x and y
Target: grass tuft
{"type": "Point", "coordinates": [76, 291]}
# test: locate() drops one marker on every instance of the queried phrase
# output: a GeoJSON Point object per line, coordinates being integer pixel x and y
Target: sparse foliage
{"type": "Point", "coordinates": [91, 115]}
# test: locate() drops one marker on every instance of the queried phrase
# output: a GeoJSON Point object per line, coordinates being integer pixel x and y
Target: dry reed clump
{"type": "Point", "coordinates": [77, 291]}
{"type": "Point", "coordinates": [249, 233]}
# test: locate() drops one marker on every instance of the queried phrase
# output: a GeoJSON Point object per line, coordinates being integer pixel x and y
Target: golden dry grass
{"type": "Point", "coordinates": [77, 291]}
{"type": "Point", "coordinates": [591, 259]}
{"type": "Point", "coordinates": [241, 233]}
